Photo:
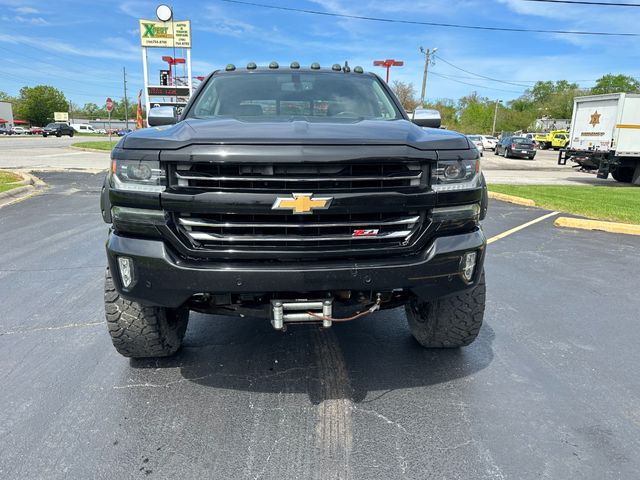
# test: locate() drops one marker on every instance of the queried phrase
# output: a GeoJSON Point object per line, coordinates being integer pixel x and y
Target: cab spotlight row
{"type": "Point", "coordinates": [336, 67]}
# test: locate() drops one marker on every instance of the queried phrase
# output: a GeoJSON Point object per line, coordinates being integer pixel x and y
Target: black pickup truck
{"type": "Point", "coordinates": [296, 196]}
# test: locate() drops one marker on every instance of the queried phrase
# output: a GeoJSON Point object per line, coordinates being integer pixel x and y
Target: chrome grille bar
{"type": "Point", "coordinates": [240, 178]}
{"type": "Point", "coordinates": [202, 236]}
{"type": "Point", "coordinates": [196, 222]}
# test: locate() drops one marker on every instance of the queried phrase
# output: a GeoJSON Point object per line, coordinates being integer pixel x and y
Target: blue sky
{"type": "Point", "coordinates": [80, 47]}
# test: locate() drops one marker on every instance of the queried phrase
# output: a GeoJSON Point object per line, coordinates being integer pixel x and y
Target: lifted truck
{"type": "Point", "coordinates": [605, 136]}
{"type": "Point", "coordinates": [298, 196]}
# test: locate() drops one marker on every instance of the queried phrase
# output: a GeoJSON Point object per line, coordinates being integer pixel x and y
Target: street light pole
{"type": "Point", "coordinates": [126, 104]}
{"type": "Point", "coordinates": [495, 116]}
{"type": "Point", "coordinates": [427, 61]}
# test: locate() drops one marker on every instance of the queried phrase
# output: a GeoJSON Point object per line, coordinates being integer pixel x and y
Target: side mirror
{"type": "Point", "coordinates": [162, 116]}
{"type": "Point", "coordinates": [426, 118]}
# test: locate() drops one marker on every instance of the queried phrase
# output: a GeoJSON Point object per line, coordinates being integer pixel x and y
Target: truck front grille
{"type": "Point", "coordinates": [316, 177]}
{"type": "Point", "coordinates": [288, 232]}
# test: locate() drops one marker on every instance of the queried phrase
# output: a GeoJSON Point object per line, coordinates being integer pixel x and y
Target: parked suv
{"type": "Point", "coordinates": [57, 129]}
{"type": "Point", "coordinates": [295, 196]}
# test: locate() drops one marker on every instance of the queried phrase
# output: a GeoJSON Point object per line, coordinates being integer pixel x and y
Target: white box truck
{"type": "Point", "coordinates": [605, 136]}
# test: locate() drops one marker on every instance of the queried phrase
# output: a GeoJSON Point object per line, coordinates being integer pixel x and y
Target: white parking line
{"type": "Point", "coordinates": [521, 227]}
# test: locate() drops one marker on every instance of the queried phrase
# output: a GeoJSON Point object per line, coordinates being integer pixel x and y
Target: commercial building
{"type": "Point", "coordinates": [6, 115]}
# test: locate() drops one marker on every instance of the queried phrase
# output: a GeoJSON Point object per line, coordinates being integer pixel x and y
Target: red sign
{"type": "Point", "coordinates": [163, 91]}
{"type": "Point", "coordinates": [109, 104]}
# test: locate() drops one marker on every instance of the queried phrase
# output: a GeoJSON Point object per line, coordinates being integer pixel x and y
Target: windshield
{"type": "Point", "coordinates": [315, 95]}
{"type": "Point", "coordinates": [520, 140]}
{"type": "Point", "coordinates": [475, 138]}
{"type": "Point", "coordinates": [490, 138]}
{"type": "Point", "coordinates": [51, 125]}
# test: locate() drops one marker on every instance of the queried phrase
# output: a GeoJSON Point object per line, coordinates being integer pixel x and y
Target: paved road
{"type": "Point", "coordinates": [51, 153]}
{"type": "Point", "coordinates": [549, 390]}
{"type": "Point", "coordinates": [543, 170]}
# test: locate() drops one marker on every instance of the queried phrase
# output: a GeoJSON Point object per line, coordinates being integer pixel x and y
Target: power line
{"type": "Point", "coordinates": [578, 2]}
{"type": "Point", "coordinates": [433, 24]}
{"type": "Point", "coordinates": [453, 79]}
{"type": "Point", "coordinates": [481, 76]}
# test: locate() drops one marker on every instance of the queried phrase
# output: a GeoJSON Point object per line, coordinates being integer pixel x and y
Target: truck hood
{"type": "Point", "coordinates": [229, 131]}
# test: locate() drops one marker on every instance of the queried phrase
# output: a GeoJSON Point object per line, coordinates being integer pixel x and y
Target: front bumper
{"type": "Point", "coordinates": [163, 278]}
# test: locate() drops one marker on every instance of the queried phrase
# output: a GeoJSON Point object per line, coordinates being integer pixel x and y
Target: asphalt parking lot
{"type": "Point", "coordinates": [549, 390]}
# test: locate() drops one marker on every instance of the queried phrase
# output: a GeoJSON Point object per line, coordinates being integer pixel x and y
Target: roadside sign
{"type": "Point", "coordinates": [176, 34]}
{"type": "Point", "coordinates": [60, 116]}
{"type": "Point", "coordinates": [162, 91]}
{"type": "Point", "coordinates": [109, 105]}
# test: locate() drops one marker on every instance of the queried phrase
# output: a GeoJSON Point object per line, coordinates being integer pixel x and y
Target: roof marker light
{"type": "Point", "coordinates": [315, 66]}
{"type": "Point", "coordinates": [346, 68]}
{"type": "Point", "coordinates": [251, 66]}
{"type": "Point", "coordinates": [230, 67]}
{"type": "Point", "coordinates": [274, 65]}
{"type": "Point", "coordinates": [295, 65]}
{"type": "Point", "coordinates": [336, 67]}
{"type": "Point", "coordinates": [358, 69]}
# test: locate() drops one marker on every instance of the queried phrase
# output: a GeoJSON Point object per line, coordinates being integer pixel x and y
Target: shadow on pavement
{"type": "Point", "coordinates": [347, 361]}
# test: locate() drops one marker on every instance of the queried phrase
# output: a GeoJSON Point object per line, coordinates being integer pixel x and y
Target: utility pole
{"type": "Point", "coordinates": [126, 106]}
{"type": "Point", "coordinates": [495, 116]}
{"type": "Point", "coordinates": [427, 61]}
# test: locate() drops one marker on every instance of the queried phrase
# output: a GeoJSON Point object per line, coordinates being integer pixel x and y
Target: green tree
{"type": "Point", "coordinates": [475, 114]}
{"type": "Point", "coordinates": [37, 104]}
{"type": "Point", "coordinates": [406, 93]}
{"type": "Point", "coordinates": [554, 99]}
{"type": "Point", "coordinates": [91, 110]}
{"type": "Point", "coordinates": [611, 83]}
{"type": "Point", "coordinates": [5, 97]}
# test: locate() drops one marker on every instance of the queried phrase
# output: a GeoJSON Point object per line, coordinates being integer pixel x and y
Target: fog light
{"type": "Point", "coordinates": [468, 265]}
{"type": "Point", "coordinates": [125, 264]}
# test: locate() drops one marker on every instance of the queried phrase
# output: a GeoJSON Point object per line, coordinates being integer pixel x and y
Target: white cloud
{"type": "Point", "coordinates": [118, 48]}
{"type": "Point", "coordinates": [26, 10]}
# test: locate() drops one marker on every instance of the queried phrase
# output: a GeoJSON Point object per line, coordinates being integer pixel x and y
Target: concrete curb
{"type": "Point", "coordinates": [527, 202]}
{"type": "Point", "coordinates": [84, 149]}
{"type": "Point", "coordinates": [29, 185]}
{"type": "Point", "coordinates": [584, 224]}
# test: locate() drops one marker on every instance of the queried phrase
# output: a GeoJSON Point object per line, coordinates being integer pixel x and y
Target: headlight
{"type": "Point", "coordinates": [456, 175]}
{"type": "Point", "coordinates": [138, 175]}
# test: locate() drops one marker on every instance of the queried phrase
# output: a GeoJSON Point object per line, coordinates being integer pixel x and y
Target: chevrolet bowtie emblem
{"type": "Point", "coordinates": [302, 203]}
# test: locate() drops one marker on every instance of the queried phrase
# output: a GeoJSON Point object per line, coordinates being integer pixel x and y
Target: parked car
{"type": "Point", "coordinates": [19, 130]}
{"type": "Point", "coordinates": [58, 129]}
{"type": "Point", "coordinates": [515, 147]}
{"type": "Point", "coordinates": [35, 131]}
{"type": "Point", "coordinates": [476, 140]}
{"type": "Point", "coordinates": [489, 142]}
{"type": "Point", "coordinates": [101, 131]}
{"type": "Point", "coordinates": [5, 131]}
{"type": "Point", "coordinates": [123, 132]}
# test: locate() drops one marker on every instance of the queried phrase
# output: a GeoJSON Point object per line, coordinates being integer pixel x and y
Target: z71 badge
{"type": "Point", "coordinates": [366, 233]}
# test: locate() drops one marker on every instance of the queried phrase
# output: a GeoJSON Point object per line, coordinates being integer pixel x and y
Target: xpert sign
{"type": "Point", "coordinates": [165, 34]}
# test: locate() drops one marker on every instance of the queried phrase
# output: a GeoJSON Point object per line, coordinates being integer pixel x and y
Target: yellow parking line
{"type": "Point", "coordinates": [521, 227]}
